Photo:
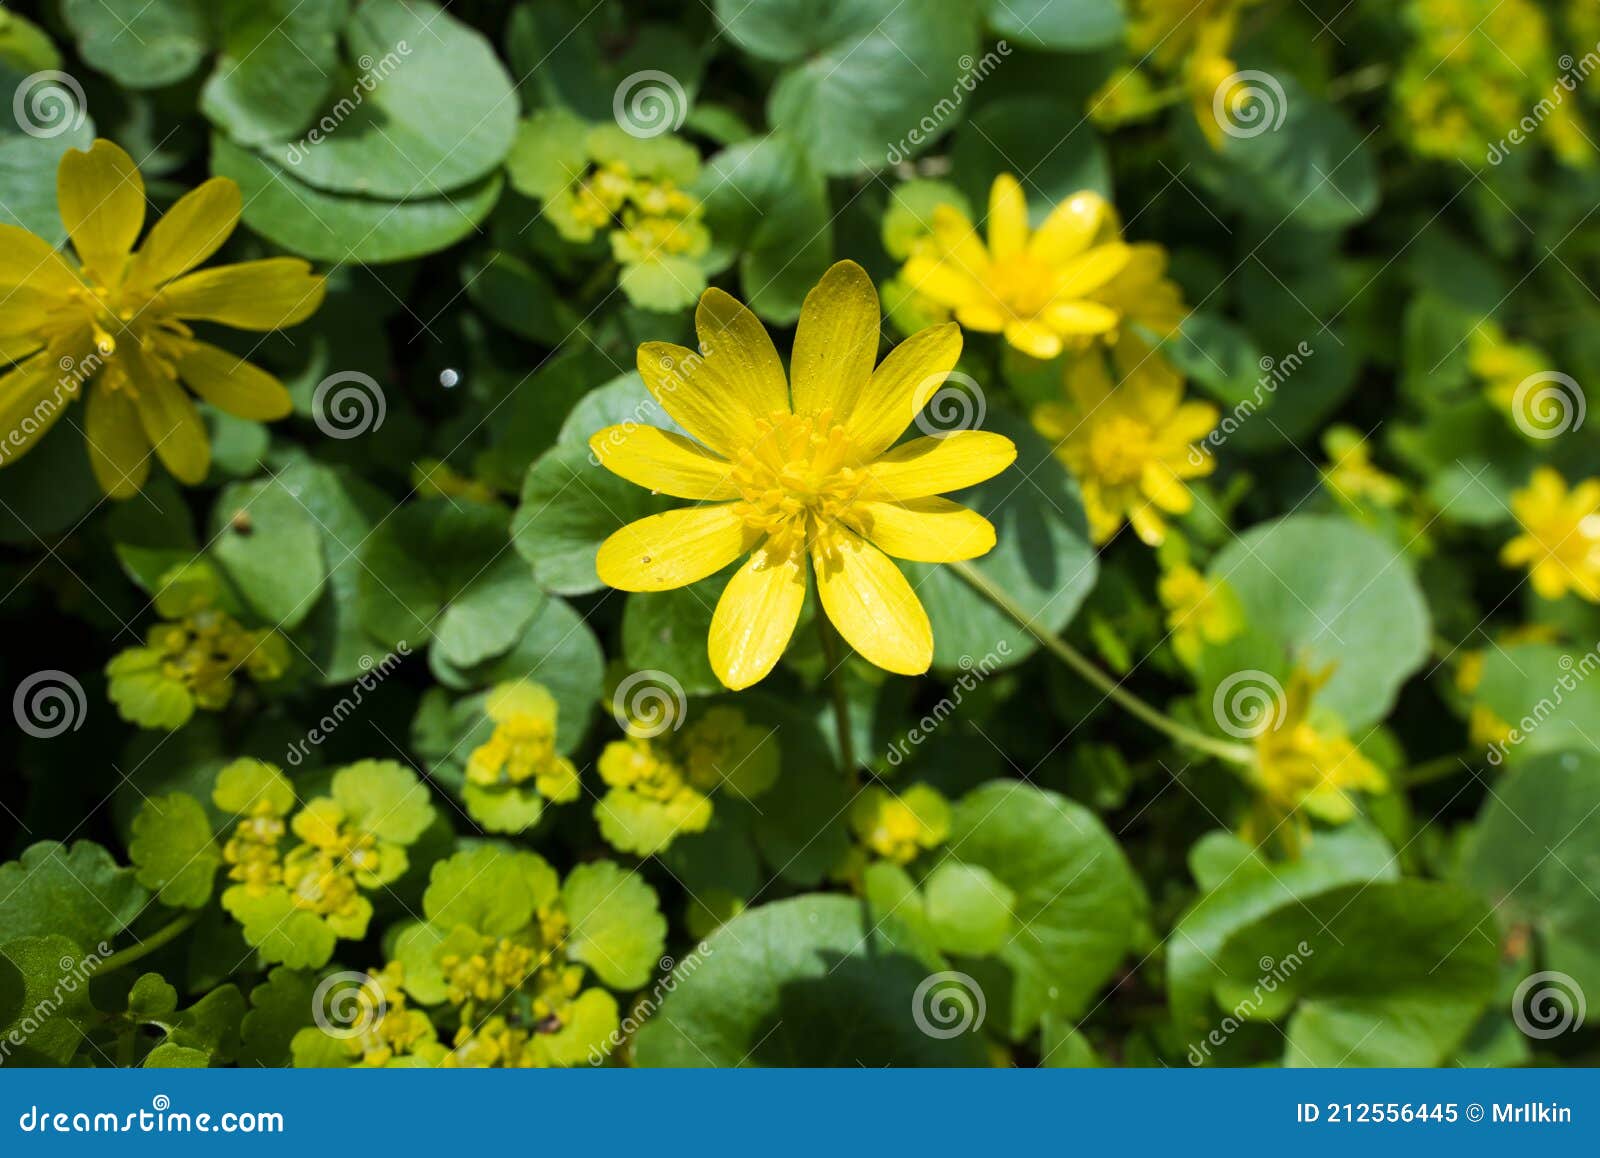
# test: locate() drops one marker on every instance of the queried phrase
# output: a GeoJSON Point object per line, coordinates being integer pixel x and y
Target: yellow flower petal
{"type": "Point", "coordinates": [232, 384]}
{"type": "Point", "coordinates": [1034, 339]}
{"type": "Point", "coordinates": [924, 530]}
{"type": "Point", "coordinates": [1070, 228]}
{"type": "Point", "coordinates": [101, 198]}
{"type": "Point", "coordinates": [958, 241]}
{"type": "Point", "coordinates": [981, 316]}
{"type": "Point", "coordinates": [716, 409]}
{"type": "Point", "coordinates": [941, 280]}
{"type": "Point", "coordinates": [253, 295]}
{"type": "Point", "coordinates": [755, 618]}
{"type": "Point", "coordinates": [1165, 489]}
{"type": "Point", "coordinates": [871, 604]}
{"type": "Point", "coordinates": [188, 233]}
{"type": "Point", "coordinates": [31, 262]}
{"type": "Point", "coordinates": [119, 453]}
{"type": "Point", "coordinates": [666, 463]}
{"type": "Point", "coordinates": [673, 549]}
{"type": "Point", "coordinates": [15, 349]}
{"type": "Point", "coordinates": [1008, 217]}
{"type": "Point", "coordinates": [1148, 524]}
{"type": "Point", "coordinates": [1088, 272]}
{"type": "Point", "coordinates": [836, 344]}
{"type": "Point", "coordinates": [1080, 318]}
{"type": "Point", "coordinates": [173, 426]}
{"type": "Point", "coordinates": [936, 465]}
{"type": "Point", "coordinates": [735, 339]}
{"type": "Point", "coordinates": [32, 399]}
{"type": "Point", "coordinates": [900, 388]}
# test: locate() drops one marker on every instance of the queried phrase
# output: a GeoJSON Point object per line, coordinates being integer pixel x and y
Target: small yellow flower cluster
{"type": "Point", "coordinates": [1352, 475]}
{"type": "Point", "coordinates": [393, 1032]}
{"type": "Point", "coordinates": [1306, 764]}
{"type": "Point", "coordinates": [1188, 44]}
{"type": "Point", "coordinates": [434, 478]}
{"type": "Point", "coordinates": [1477, 70]}
{"type": "Point", "coordinates": [647, 217]}
{"type": "Point", "coordinates": [1200, 611]}
{"type": "Point", "coordinates": [898, 828]}
{"type": "Point", "coordinates": [321, 872]}
{"type": "Point", "coordinates": [661, 786]}
{"type": "Point", "coordinates": [1501, 364]}
{"type": "Point", "coordinates": [1560, 539]}
{"type": "Point", "coordinates": [511, 775]}
{"type": "Point", "coordinates": [192, 661]}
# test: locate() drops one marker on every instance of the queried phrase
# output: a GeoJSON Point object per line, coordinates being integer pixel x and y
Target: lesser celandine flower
{"type": "Point", "coordinates": [800, 470]}
{"type": "Point", "coordinates": [118, 322]}
{"type": "Point", "coordinates": [1036, 287]}
{"type": "Point", "coordinates": [1302, 763]}
{"type": "Point", "coordinates": [1560, 540]}
{"type": "Point", "coordinates": [1130, 445]}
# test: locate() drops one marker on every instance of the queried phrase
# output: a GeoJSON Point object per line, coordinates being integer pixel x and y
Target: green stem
{"type": "Point", "coordinates": [1069, 655]}
{"type": "Point", "coordinates": [150, 944]}
{"type": "Point", "coordinates": [834, 676]}
{"type": "Point", "coordinates": [1435, 769]}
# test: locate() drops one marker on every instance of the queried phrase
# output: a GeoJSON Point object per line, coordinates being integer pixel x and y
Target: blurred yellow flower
{"type": "Point", "coordinates": [1310, 766]}
{"type": "Point", "coordinates": [1035, 286]}
{"type": "Point", "coordinates": [899, 827]}
{"type": "Point", "coordinates": [116, 323]}
{"type": "Point", "coordinates": [1352, 475]}
{"type": "Point", "coordinates": [1560, 540]}
{"type": "Point", "coordinates": [1200, 611]}
{"type": "Point", "coordinates": [786, 477]}
{"type": "Point", "coordinates": [1130, 445]}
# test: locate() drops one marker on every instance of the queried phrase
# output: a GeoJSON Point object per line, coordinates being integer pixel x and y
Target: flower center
{"type": "Point", "coordinates": [1119, 448]}
{"type": "Point", "coordinates": [796, 480]}
{"type": "Point", "coordinates": [1022, 284]}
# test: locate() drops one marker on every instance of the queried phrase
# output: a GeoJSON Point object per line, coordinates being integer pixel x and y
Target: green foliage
{"type": "Point", "coordinates": [1263, 733]}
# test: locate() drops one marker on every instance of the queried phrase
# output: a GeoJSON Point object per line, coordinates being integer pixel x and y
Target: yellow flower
{"type": "Point", "coordinates": [1560, 540]}
{"type": "Point", "coordinates": [809, 476]}
{"type": "Point", "coordinates": [1311, 766]}
{"type": "Point", "coordinates": [1036, 287]}
{"type": "Point", "coordinates": [897, 828]}
{"type": "Point", "coordinates": [1501, 364]}
{"type": "Point", "coordinates": [1199, 611]}
{"type": "Point", "coordinates": [1352, 475]}
{"type": "Point", "coordinates": [1130, 446]}
{"type": "Point", "coordinates": [118, 321]}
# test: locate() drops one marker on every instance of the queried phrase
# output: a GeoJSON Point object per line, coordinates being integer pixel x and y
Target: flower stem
{"type": "Point", "coordinates": [1074, 659]}
{"type": "Point", "coordinates": [832, 657]}
{"type": "Point", "coordinates": [150, 944]}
